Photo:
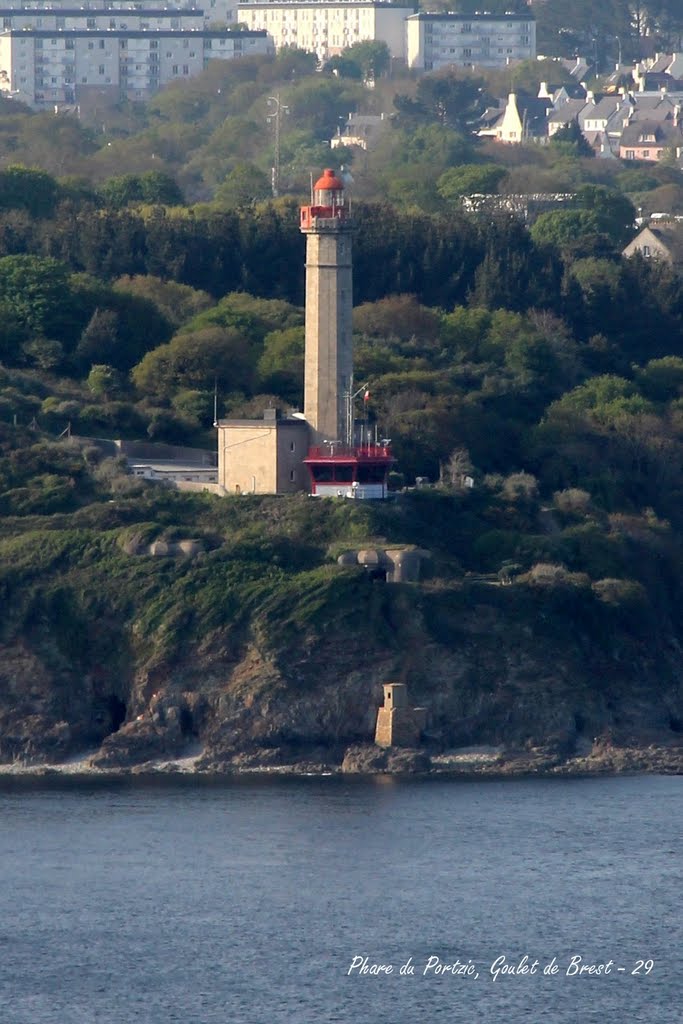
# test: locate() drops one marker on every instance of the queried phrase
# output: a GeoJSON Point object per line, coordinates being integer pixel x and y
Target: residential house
{"type": "Point", "coordinates": [560, 94]}
{"type": "Point", "coordinates": [663, 242]}
{"type": "Point", "coordinates": [523, 119]}
{"type": "Point", "coordinates": [490, 117]}
{"type": "Point", "coordinates": [655, 108]}
{"type": "Point", "coordinates": [579, 68]}
{"type": "Point", "coordinates": [664, 71]}
{"type": "Point", "coordinates": [647, 140]}
{"type": "Point", "coordinates": [598, 111]}
{"type": "Point", "coordinates": [564, 115]}
{"type": "Point", "coordinates": [361, 131]}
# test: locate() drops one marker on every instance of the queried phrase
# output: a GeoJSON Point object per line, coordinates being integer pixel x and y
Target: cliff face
{"type": "Point", "coordinates": [258, 648]}
{"type": "Point", "coordinates": [296, 673]}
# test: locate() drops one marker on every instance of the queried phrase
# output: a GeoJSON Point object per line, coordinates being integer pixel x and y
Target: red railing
{"type": "Point", "coordinates": [359, 452]}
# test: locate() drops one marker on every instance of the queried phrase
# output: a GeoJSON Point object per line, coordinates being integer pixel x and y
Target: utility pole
{"type": "Point", "coordinates": [279, 110]}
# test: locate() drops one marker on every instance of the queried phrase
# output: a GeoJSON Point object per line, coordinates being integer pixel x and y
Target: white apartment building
{"type": "Point", "coordinates": [70, 18]}
{"type": "Point", "coordinates": [49, 69]}
{"type": "Point", "coordinates": [113, 14]}
{"type": "Point", "coordinates": [326, 27]}
{"type": "Point", "coordinates": [436, 41]}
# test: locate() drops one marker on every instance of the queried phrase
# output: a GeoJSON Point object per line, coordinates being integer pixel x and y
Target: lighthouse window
{"type": "Point", "coordinates": [340, 474]}
{"type": "Point", "coordinates": [371, 474]}
{"type": "Point", "coordinates": [292, 446]}
{"type": "Point", "coordinates": [323, 474]}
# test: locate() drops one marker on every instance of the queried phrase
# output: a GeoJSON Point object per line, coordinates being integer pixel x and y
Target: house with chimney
{"type": "Point", "coordinates": [521, 119]}
{"type": "Point", "coordinates": [648, 140]}
{"type": "Point", "coordinates": [665, 71]}
{"type": "Point", "coordinates": [564, 115]}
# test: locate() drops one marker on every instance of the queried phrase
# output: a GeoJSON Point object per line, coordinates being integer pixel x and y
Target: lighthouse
{"type": "Point", "coordinates": [328, 365]}
{"type": "Point", "coordinates": [340, 462]}
{"type": "Point", "coordinates": [325, 446]}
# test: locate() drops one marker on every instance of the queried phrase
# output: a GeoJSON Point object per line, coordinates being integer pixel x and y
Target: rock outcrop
{"type": "Point", "coordinates": [279, 684]}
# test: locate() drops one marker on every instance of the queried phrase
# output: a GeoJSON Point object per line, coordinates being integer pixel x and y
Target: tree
{"type": "Point", "coordinates": [159, 188]}
{"type": "Point", "coordinates": [153, 187]}
{"type": "Point", "coordinates": [100, 338]}
{"type": "Point", "coordinates": [527, 75]}
{"type": "Point", "coordinates": [562, 228]}
{"type": "Point", "coordinates": [451, 100]}
{"type": "Point", "coordinates": [197, 360]}
{"type": "Point", "coordinates": [23, 188]}
{"type": "Point", "coordinates": [122, 326]}
{"type": "Point", "coordinates": [469, 179]}
{"type": "Point", "coordinates": [290, 62]}
{"type": "Point", "coordinates": [605, 398]}
{"type": "Point", "coordinates": [571, 141]}
{"type": "Point", "coordinates": [281, 366]}
{"type": "Point", "coordinates": [176, 302]}
{"type": "Point", "coordinates": [195, 405]}
{"type": "Point", "coordinates": [317, 105]}
{"type": "Point", "coordinates": [104, 381]}
{"type": "Point", "coordinates": [253, 317]}
{"type": "Point", "coordinates": [397, 317]}
{"type": "Point", "coordinates": [615, 213]}
{"type": "Point", "coordinates": [602, 213]}
{"type": "Point", "coordinates": [344, 67]}
{"type": "Point", "coordinates": [662, 379]}
{"type": "Point", "coordinates": [371, 55]}
{"type": "Point", "coordinates": [456, 468]}
{"type": "Point", "coordinates": [38, 299]}
{"type": "Point", "coordinates": [444, 97]}
{"type": "Point", "coordinates": [57, 144]}
{"type": "Point", "coordinates": [44, 353]}
{"type": "Point", "coordinates": [245, 185]}
{"type": "Point", "coordinates": [434, 147]}
{"type": "Point", "coordinates": [122, 190]}
{"type": "Point", "coordinates": [514, 273]}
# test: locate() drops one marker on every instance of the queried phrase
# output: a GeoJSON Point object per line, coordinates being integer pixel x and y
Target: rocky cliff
{"type": "Point", "coordinates": [257, 648]}
{"type": "Point", "coordinates": [297, 676]}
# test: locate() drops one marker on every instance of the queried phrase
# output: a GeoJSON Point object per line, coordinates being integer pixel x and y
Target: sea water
{"type": "Point", "coordinates": [308, 901]}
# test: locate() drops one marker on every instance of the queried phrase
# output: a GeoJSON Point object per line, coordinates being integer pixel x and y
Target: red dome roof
{"type": "Point", "coordinates": [329, 180]}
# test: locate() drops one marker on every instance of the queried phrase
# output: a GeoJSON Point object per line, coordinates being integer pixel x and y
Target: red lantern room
{"type": "Point", "coordinates": [327, 202]}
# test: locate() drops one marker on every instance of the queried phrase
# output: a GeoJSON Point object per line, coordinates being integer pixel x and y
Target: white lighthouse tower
{"type": "Point", "coordinates": [329, 303]}
{"type": "Point", "coordinates": [338, 466]}
{"type": "Point", "coordinates": [276, 454]}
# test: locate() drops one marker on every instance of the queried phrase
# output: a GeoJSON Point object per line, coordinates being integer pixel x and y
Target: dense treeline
{"type": "Point", "coordinates": [444, 262]}
{"type": "Point", "coordinates": [259, 251]}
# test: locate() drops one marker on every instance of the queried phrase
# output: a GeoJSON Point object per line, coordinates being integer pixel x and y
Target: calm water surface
{"type": "Point", "coordinates": [245, 902]}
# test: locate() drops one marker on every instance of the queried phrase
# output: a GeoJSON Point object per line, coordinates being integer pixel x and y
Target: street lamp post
{"type": "Point", "coordinates": [619, 51]}
{"type": "Point", "coordinates": [279, 109]}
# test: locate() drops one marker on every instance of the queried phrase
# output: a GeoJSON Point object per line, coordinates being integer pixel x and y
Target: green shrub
{"type": "Point", "coordinates": [620, 592]}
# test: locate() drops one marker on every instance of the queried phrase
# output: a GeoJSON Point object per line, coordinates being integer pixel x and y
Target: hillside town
{"type": "Point", "coordinates": [55, 54]}
{"type": "Point", "coordinates": [58, 57]}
